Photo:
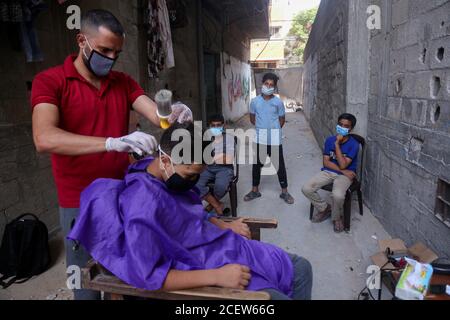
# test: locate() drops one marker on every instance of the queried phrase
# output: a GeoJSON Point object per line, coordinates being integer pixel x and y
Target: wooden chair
{"type": "Point", "coordinates": [355, 187]}
{"type": "Point", "coordinates": [97, 278]}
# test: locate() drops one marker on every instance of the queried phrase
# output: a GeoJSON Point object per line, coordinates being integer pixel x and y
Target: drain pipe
{"type": "Point", "coordinates": [200, 61]}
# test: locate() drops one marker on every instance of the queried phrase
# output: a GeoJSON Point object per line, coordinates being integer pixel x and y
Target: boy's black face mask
{"type": "Point", "coordinates": [179, 184]}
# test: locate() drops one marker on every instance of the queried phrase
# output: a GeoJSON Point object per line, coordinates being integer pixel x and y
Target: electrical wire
{"type": "Point", "coordinates": [373, 276]}
{"type": "Point", "coordinates": [265, 47]}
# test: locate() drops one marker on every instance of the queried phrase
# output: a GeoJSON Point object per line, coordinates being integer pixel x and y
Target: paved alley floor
{"type": "Point", "coordinates": [339, 260]}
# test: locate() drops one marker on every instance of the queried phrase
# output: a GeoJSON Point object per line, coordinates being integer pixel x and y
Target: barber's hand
{"type": "Point", "coordinates": [239, 227]}
{"type": "Point", "coordinates": [180, 113]}
{"type": "Point", "coordinates": [349, 174]}
{"type": "Point", "coordinates": [138, 142]}
{"type": "Point", "coordinates": [233, 276]}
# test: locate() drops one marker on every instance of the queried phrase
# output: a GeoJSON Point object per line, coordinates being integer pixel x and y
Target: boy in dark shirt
{"type": "Point", "coordinates": [340, 159]}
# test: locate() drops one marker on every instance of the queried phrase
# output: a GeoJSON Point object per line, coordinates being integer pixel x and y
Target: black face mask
{"type": "Point", "coordinates": [179, 184]}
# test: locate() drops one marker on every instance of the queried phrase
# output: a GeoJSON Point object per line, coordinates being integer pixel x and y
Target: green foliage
{"type": "Point", "coordinates": [301, 28]}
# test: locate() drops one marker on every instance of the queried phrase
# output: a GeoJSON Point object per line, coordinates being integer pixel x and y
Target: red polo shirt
{"type": "Point", "coordinates": [85, 110]}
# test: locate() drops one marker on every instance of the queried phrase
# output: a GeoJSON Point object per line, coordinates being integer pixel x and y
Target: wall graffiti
{"type": "Point", "coordinates": [236, 77]}
{"type": "Point", "coordinates": [238, 88]}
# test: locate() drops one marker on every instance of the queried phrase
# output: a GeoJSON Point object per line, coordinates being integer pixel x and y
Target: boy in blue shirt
{"type": "Point", "coordinates": [268, 115]}
{"type": "Point", "coordinates": [340, 159]}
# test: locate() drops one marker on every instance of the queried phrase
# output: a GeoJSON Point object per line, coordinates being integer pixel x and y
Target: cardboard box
{"type": "Point", "coordinates": [418, 252]}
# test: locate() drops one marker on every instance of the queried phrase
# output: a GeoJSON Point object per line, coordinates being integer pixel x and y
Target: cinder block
{"type": "Point", "coordinates": [405, 35]}
{"type": "Point", "coordinates": [419, 85]}
{"type": "Point", "coordinates": [439, 19]}
{"type": "Point", "coordinates": [417, 57]}
{"type": "Point", "coordinates": [394, 108]}
{"type": "Point", "coordinates": [440, 53]}
{"type": "Point", "coordinates": [414, 111]}
{"type": "Point", "coordinates": [400, 12]}
{"type": "Point", "coordinates": [397, 61]}
{"type": "Point", "coordinates": [419, 7]}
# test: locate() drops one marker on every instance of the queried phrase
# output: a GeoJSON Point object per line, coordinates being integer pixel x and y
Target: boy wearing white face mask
{"type": "Point", "coordinates": [268, 115]}
{"type": "Point", "coordinates": [340, 165]}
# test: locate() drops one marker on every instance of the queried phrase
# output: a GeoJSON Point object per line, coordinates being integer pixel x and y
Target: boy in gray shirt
{"type": "Point", "coordinates": [221, 172]}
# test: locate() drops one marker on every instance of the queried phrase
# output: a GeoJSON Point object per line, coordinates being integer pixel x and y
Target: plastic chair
{"type": "Point", "coordinates": [355, 187]}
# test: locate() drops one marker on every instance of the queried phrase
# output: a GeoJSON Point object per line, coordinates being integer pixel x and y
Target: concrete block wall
{"type": "Point", "coordinates": [325, 69]}
{"type": "Point", "coordinates": [399, 87]}
{"type": "Point", "coordinates": [409, 120]}
{"type": "Point", "coordinates": [26, 180]}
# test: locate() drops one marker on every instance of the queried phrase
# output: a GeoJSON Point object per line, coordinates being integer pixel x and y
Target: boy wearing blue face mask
{"type": "Point", "coordinates": [340, 164]}
{"type": "Point", "coordinates": [221, 172]}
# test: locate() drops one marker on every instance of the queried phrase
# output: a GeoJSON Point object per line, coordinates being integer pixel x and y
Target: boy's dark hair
{"type": "Point", "coordinates": [101, 18]}
{"type": "Point", "coordinates": [349, 117]}
{"type": "Point", "coordinates": [271, 76]}
{"type": "Point", "coordinates": [216, 118]}
{"type": "Point", "coordinates": [191, 138]}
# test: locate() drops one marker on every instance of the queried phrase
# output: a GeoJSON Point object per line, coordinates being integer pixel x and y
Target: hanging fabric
{"type": "Point", "coordinates": [30, 43]}
{"type": "Point", "coordinates": [159, 38]}
{"type": "Point", "coordinates": [166, 34]}
{"type": "Point", "coordinates": [19, 17]}
{"type": "Point", "coordinates": [11, 11]}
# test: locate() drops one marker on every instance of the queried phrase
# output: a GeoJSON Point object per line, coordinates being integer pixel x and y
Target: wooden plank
{"type": "Point", "coordinates": [439, 279]}
{"type": "Point", "coordinates": [255, 222]}
{"type": "Point", "coordinates": [115, 287]}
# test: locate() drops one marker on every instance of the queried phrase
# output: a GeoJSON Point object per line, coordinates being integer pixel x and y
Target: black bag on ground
{"type": "Point", "coordinates": [24, 251]}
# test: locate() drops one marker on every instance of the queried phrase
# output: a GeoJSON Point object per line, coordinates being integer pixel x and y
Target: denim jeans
{"type": "Point", "coordinates": [303, 280]}
{"type": "Point", "coordinates": [220, 175]}
{"type": "Point", "coordinates": [30, 42]}
{"type": "Point", "coordinates": [75, 255]}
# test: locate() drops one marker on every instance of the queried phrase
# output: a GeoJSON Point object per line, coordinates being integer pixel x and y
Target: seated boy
{"type": "Point", "coordinates": [340, 161]}
{"type": "Point", "coordinates": [221, 172]}
{"type": "Point", "coordinates": [151, 231]}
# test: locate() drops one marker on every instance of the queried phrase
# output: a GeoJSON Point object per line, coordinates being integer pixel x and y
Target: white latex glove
{"type": "Point", "coordinates": [138, 142]}
{"type": "Point", "coordinates": [180, 113]}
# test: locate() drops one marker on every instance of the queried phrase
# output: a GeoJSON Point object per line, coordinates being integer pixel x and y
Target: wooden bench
{"type": "Point", "coordinates": [97, 278]}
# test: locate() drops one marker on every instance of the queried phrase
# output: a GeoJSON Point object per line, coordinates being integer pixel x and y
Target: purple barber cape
{"type": "Point", "coordinates": [139, 230]}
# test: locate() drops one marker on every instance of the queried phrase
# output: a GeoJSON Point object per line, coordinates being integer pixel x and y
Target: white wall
{"type": "Point", "coordinates": [236, 86]}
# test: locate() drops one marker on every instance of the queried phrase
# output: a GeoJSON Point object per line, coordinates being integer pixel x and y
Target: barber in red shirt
{"type": "Point", "coordinates": [81, 114]}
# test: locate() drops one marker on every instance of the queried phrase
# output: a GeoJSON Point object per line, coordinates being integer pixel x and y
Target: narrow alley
{"type": "Point", "coordinates": [89, 87]}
